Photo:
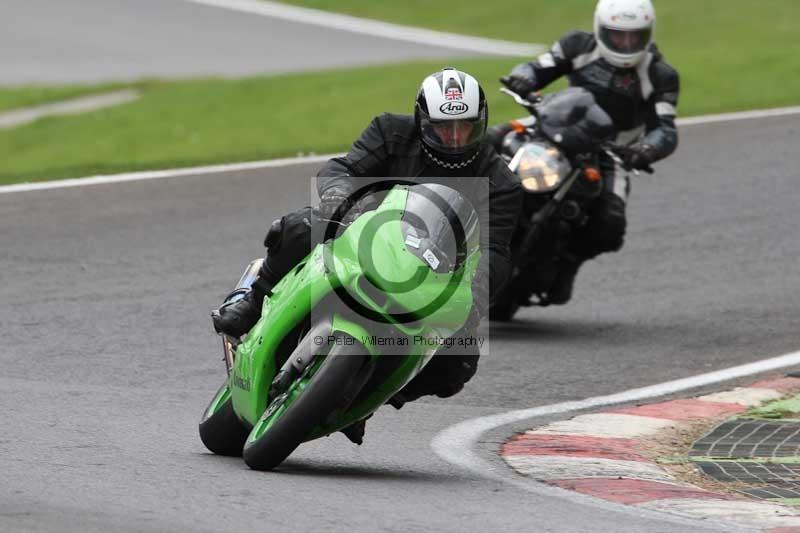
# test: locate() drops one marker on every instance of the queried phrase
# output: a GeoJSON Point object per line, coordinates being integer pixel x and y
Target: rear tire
{"type": "Point", "coordinates": [320, 398]}
{"type": "Point", "coordinates": [220, 429]}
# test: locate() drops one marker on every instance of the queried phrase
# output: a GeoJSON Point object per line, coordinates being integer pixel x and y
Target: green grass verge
{"type": "Point", "coordinates": [538, 21]}
{"type": "Point", "coordinates": [787, 408]}
{"type": "Point", "coordinates": [787, 501]}
{"type": "Point", "coordinates": [731, 54]}
{"type": "Point", "coordinates": [15, 97]}
{"type": "Point", "coordinates": [213, 121]}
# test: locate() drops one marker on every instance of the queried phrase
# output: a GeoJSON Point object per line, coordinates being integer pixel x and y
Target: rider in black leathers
{"type": "Point", "coordinates": [636, 87]}
{"type": "Point", "coordinates": [397, 146]}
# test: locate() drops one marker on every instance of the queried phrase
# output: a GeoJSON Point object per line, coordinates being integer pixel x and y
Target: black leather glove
{"type": "Point", "coordinates": [331, 200]}
{"type": "Point", "coordinates": [639, 156]}
{"type": "Point", "coordinates": [519, 84]}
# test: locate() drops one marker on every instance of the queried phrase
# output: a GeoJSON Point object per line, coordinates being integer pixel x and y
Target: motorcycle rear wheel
{"type": "Point", "coordinates": [311, 398]}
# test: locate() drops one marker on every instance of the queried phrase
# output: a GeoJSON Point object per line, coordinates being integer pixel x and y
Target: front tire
{"type": "Point", "coordinates": [220, 429]}
{"type": "Point", "coordinates": [283, 428]}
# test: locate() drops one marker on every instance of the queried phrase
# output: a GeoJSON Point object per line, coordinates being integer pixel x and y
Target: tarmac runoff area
{"type": "Point", "coordinates": [666, 457]}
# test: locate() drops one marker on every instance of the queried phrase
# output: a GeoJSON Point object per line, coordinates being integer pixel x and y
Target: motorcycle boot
{"type": "Point", "coordinates": [560, 291]}
{"type": "Point", "coordinates": [238, 317]}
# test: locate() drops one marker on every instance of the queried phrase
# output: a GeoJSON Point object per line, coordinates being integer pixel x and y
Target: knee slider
{"type": "Point", "coordinates": [611, 223]}
{"type": "Point", "coordinates": [613, 235]}
{"type": "Point", "coordinates": [614, 206]}
{"type": "Point", "coordinates": [449, 390]}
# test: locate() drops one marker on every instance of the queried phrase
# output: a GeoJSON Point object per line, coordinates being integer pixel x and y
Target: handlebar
{"type": "Point", "coordinates": [527, 104]}
{"type": "Point", "coordinates": [617, 152]}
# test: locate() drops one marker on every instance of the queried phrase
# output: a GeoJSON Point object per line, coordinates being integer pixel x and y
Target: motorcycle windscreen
{"type": "Point", "coordinates": [575, 121]}
{"type": "Point", "coordinates": [440, 226]}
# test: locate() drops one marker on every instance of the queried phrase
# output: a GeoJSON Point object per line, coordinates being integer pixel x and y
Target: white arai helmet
{"type": "Point", "coordinates": [624, 30]}
{"type": "Point", "coordinates": [451, 114]}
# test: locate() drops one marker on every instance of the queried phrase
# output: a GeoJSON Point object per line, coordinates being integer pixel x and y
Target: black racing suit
{"type": "Point", "coordinates": [391, 147]}
{"type": "Point", "coordinates": [642, 103]}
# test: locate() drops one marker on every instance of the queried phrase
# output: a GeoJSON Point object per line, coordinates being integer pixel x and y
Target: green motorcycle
{"type": "Point", "coordinates": [348, 327]}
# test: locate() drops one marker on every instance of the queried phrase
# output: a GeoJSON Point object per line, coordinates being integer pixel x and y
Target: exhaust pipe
{"type": "Point", "coordinates": [243, 286]}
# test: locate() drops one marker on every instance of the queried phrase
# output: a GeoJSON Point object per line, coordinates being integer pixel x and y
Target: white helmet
{"type": "Point", "coordinates": [624, 30]}
{"type": "Point", "coordinates": [451, 113]}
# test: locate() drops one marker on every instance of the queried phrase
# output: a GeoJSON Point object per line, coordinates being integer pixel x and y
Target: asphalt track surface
{"type": "Point", "coordinates": [108, 357]}
{"type": "Point", "coordinates": [92, 41]}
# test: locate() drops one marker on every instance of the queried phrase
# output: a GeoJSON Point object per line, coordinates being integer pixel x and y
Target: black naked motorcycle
{"type": "Point", "coordinates": [557, 154]}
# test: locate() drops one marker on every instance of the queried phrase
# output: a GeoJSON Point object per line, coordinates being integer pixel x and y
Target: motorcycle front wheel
{"type": "Point", "coordinates": [307, 403]}
{"type": "Point", "coordinates": [220, 429]}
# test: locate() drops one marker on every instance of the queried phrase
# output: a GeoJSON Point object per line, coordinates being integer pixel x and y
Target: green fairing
{"type": "Point", "coordinates": [345, 262]}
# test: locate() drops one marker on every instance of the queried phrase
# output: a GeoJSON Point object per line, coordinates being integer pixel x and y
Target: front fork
{"type": "Point", "coordinates": [541, 216]}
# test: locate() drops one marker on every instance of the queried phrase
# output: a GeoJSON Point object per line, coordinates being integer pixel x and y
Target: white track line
{"type": "Point", "coordinates": [741, 115]}
{"type": "Point", "coordinates": [161, 174]}
{"type": "Point", "coordinates": [376, 28]}
{"type": "Point", "coordinates": [456, 443]}
{"type": "Point", "coordinates": [277, 163]}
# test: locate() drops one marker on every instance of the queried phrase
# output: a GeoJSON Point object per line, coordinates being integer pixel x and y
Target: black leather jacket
{"type": "Point", "coordinates": [391, 147]}
{"type": "Point", "coordinates": [645, 96]}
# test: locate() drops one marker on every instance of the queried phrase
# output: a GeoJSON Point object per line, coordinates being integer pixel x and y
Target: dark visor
{"type": "Point", "coordinates": [625, 41]}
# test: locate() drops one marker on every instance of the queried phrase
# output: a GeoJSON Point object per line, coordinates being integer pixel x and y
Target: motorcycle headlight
{"type": "Point", "coordinates": [540, 167]}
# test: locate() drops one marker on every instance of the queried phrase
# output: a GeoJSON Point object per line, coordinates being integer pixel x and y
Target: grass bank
{"type": "Point", "coordinates": [213, 121]}
{"type": "Point", "coordinates": [731, 54]}
{"type": "Point", "coordinates": [728, 62]}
